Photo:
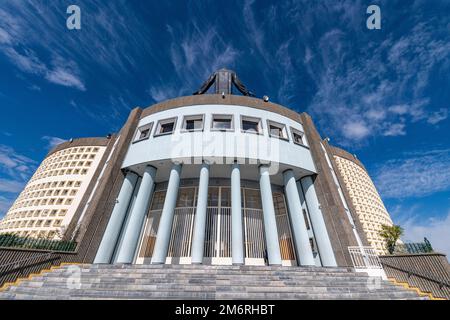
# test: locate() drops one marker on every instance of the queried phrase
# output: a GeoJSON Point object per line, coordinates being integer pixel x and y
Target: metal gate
{"type": "Point", "coordinates": [254, 239]}
{"type": "Point", "coordinates": [217, 246]}
{"type": "Point", "coordinates": [284, 230]}
{"type": "Point", "coordinates": [217, 249]}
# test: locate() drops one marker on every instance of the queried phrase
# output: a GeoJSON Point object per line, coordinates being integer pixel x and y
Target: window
{"type": "Point", "coordinates": [222, 122]}
{"type": "Point", "coordinates": [166, 126]}
{"type": "Point", "coordinates": [252, 125]}
{"type": "Point", "coordinates": [305, 216]}
{"type": "Point", "coordinates": [193, 123]}
{"type": "Point", "coordinates": [143, 132]}
{"type": "Point", "coordinates": [298, 137]}
{"type": "Point", "coordinates": [277, 130]}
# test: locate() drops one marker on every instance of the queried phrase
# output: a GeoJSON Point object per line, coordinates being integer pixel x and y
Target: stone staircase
{"type": "Point", "coordinates": [203, 282]}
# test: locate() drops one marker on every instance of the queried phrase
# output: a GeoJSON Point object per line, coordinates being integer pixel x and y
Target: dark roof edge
{"type": "Point", "coordinates": [346, 155]}
{"type": "Point", "coordinates": [95, 141]}
{"type": "Point", "coordinates": [219, 99]}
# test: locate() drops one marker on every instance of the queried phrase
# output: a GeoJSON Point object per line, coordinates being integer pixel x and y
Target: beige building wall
{"type": "Point", "coordinates": [47, 204]}
{"type": "Point", "coordinates": [365, 198]}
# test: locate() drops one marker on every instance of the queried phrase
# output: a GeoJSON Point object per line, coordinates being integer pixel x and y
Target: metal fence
{"type": "Point", "coordinates": [420, 247]}
{"type": "Point", "coordinates": [364, 258]}
{"type": "Point", "coordinates": [430, 272]}
{"type": "Point", "coordinates": [13, 241]}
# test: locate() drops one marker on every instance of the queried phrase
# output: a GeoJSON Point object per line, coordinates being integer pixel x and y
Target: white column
{"type": "Point", "coordinates": [112, 232]}
{"type": "Point", "coordinates": [237, 237]}
{"type": "Point", "coordinates": [318, 224]}
{"type": "Point", "coordinates": [270, 222]}
{"type": "Point", "coordinates": [299, 231]}
{"type": "Point", "coordinates": [130, 239]}
{"type": "Point", "coordinates": [165, 223]}
{"type": "Point", "coordinates": [198, 238]}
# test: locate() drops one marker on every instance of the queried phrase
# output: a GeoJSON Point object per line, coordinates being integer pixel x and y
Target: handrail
{"type": "Point", "coordinates": [410, 272]}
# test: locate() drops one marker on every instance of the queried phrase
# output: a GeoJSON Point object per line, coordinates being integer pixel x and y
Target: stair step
{"type": "Point", "coordinates": [204, 282]}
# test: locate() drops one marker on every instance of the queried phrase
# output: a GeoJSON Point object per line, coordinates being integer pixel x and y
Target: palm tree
{"type": "Point", "coordinates": [391, 234]}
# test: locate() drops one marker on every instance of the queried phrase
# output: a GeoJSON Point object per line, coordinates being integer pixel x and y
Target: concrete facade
{"type": "Point", "coordinates": [364, 196]}
{"type": "Point", "coordinates": [284, 140]}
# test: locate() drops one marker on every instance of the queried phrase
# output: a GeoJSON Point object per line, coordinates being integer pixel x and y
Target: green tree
{"type": "Point", "coordinates": [390, 235]}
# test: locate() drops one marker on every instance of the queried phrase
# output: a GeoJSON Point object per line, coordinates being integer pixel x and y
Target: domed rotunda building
{"type": "Point", "coordinates": [215, 178]}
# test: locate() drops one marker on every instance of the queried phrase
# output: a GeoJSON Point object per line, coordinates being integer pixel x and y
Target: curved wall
{"type": "Point", "coordinates": [49, 200]}
{"type": "Point", "coordinates": [364, 196]}
{"type": "Point", "coordinates": [217, 146]}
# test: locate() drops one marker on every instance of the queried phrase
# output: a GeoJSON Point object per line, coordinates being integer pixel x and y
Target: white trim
{"type": "Point", "coordinates": [222, 117]}
{"type": "Point", "coordinates": [163, 122]}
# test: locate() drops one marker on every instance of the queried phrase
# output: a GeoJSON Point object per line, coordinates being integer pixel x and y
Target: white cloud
{"type": "Point", "coordinates": [356, 130]}
{"type": "Point", "coordinates": [434, 229]}
{"type": "Point", "coordinates": [438, 116]}
{"type": "Point", "coordinates": [385, 96]}
{"type": "Point", "coordinates": [65, 78]}
{"type": "Point", "coordinates": [52, 141]}
{"type": "Point", "coordinates": [5, 204]}
{"type": "Point", "coordinates": [195, 52]}
{"type": "Point", "coordinates": [15, 170]}
{"type": "Point", "coordinates": [396, 129]}
{"type": "Point", "coordinates": [13, 163]}
{"type": "Point", "coordinates": [418, 175]}
{"type": "Point", "coordinates": [399, 109]}
{"type": "Point", "coordinates": [11, 186]}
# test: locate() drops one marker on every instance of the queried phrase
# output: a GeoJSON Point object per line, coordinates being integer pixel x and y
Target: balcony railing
{"type": "Point", "coordinates": [13, 241]}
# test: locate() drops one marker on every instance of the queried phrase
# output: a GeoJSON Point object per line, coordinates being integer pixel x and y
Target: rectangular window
{"type": "Point", "coordinates": [298, 137]}
{"type": "Point", "coordinates": [193, 123]}
{"type": "Point", "coordinates": [277, 130]}
{"type": "Point", "coordinates": [305, 216]}
{"type": "Point", "coordinates": [143, 132]}
{"type": "Point", "coordinates": [251, 125]}
{"type": "Point", "coordinates": [222, 122]}
{"type": "Point", "coordinates": [166, 126]}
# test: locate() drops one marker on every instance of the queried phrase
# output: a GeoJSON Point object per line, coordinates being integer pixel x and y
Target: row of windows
{"type": "Point", "coordinates": [47, 189]}
{"type": "Point", "coordinates": [31, 224]}
{"type": "Point", "coordinates": [58, 160]}
{"type": "Point", "coordinates": [36, 213]}
{"type": "Point", "coordinates": [46, 201]}
{"type": "Point", "coordinates": [220, 122]}
{"type": "Point", "coordinates": [61, 173]}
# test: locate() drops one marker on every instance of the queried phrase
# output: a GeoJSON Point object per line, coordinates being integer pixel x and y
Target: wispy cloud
{"type": "Point", "coordinates": [438, 116]}
{"type": "Point", "coordinates": [5, 204]}
{"type": "Point", "coordinates": [417, 175]}
{"type": "Point", "coordinates": [15, 170]}
{"type": "Point", "coordinates": [16, 43]}
{"type": "Point", "coordinates": [15, 164]}
{"type": "Point", "coordinates": [434, 229]}
{"type": "Point", "coordinates": [52, 141]}
{"type": "Point", "coordinates": [379, 89]}
{"type": "Point", "coordinates": [195, 52]}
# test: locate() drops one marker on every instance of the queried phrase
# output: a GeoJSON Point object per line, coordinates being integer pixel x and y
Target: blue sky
{"type": "Point", "coordinates": [381, 94]}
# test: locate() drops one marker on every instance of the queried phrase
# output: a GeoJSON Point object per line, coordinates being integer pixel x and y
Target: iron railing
{"type": "Point", "coordinates": [34, 262]}
{"type": "Point", "coordinates": [13, 241]}
{"type": "Point", "coordinates": [410, 272]}
{"type": "Point", "coordinates": [364, 258]}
